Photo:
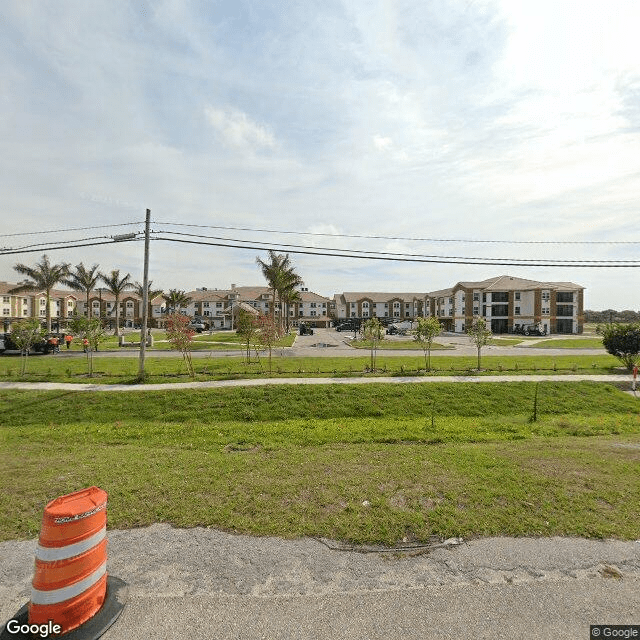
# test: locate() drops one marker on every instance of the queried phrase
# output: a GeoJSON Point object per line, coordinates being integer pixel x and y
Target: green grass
{"type": "Point", "coordinates": [53, 368]}
{"type": "Point", "coordinates": [294, 461]}
{"type": "Point", "coordinates": [398, 344]}
{"type": "Point", "coordinates": [571, 343]}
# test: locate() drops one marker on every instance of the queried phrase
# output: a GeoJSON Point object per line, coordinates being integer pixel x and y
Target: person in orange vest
{"type": "Point", "coordinates": [68, 340]}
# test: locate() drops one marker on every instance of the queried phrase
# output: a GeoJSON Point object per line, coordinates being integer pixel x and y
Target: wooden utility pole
{"type": "Point", "coordinates": [145, 296]}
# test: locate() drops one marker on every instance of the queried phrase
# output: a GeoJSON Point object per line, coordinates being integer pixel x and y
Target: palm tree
{"type": "Point", "coordinates": [175, 299]}
{"type": "Point", "coordinates": [289, 297]}
{"type": "Point", "coordinates": [151, 294]}
{"type": "Point", "coordinates": [117, 285]}
{"type": "Point", "coordinates": [43, 277]}
{"type": "Point", "coordinates": [83, 279]}
{"type": "Point", "coordinates": [280, 276]}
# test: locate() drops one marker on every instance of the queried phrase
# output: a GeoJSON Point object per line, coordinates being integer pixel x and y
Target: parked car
{"type": "Point", "coordinates": [305, 330]}
{"type": "Point", "coordinates": [198, 327]}
{"type": "Point", "coordinates": [347, 326]}
{"type": "Point", "coordinates": [530, 329]}
{"type": "Point", "coordinates": [394, 330]}
{"type": "Point", "coordinates": [42, 346]}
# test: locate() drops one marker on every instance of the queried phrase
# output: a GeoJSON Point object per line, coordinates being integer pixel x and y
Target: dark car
{"type": "Point", "coordinates": [347, 326]}
{"type": "Point", "coordinates": [41, 346]}
{"type": "Point", "coordinates": [394, 331]}
{"type": "Point", "coordinates": [305, 330]}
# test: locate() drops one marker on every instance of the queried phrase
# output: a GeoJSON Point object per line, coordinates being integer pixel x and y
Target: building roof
{"type": "Point", "coordinates": [376, 296]}
{"type": "Point", "coordinates": [511, 283]}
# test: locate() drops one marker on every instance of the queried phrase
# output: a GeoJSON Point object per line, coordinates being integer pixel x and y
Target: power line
{"type": "Point", "coordinates": [483, 261]}
{"type": "Point", "coordinates": [35, 233]}
{"type": "Point", "coordinates": [341, 253]}
{"type": "Point", "coordinates": [286, 247]}
{"type": "Point", "coordinates": [375, 237]}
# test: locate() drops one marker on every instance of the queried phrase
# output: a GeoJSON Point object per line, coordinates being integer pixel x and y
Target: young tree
{"type": "Point", "coordinates": [622, 341]}
{"type": "Point", "coordinates": [180, 335]}
{"type": "Point", "coordinates": [24, 335]}
{"type": "Point", "coordinates": [44, 277]}
{"type": "Point", "coordinates": [427, 329]}
{"type": "Point", "coordinates": [247, 326]}
{"type": "Point", "coordinates": [83, 279]}
{"type": "Point", "coordinates": [480, 335]}
{"type": "Point", "coordinates": [117, 286]}
{"type": "Point", "coordinates": [89, 329]}
{"type": "Point", "coordinates": [373, 332]}
{"type": "Point", "coordinates": [268, 334]}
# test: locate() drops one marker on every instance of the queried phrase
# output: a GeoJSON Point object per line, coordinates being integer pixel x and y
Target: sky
{"type": "Point", "coordinates": [493, 120]}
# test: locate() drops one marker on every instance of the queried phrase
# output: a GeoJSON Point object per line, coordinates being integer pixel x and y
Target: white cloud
{"type": "Point", "coordinates": [238, 130]}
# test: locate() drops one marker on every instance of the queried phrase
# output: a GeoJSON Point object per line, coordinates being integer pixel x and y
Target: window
{"type": "Point", "coordinates": [206, 313]}
{"type": "Point", "coordinates": [407, 305]}
{"type": "Point", "coordinates": [545, 310]}
{"type": "Point", "coordinates": [476, 311]}
{"type": "Point", "coordinates": [6, 312]}
{"type": "Point", "coordinates": [545, 295]}
{"type": "Point", "coordinates": [500, 296]}
{"type": "Point", "coordinates": [43, 312]}
{"type": "Point", "coordinates": [96, 304]}
{"type": "Point", "coordinates": [396, 314]}
{"type": "Point", "coordinates": [70, 303]}
{"type": "Point", "coordinates": [564, 296]}
{"type": "Point", "coordinates": [516, 311]}
{"type": "Point", "coordinates": [476, 297]}
{"type": "Point", "coordinates": [6, 299]}
{"type": "Point", "coordinates": [313, 305]}
{"type": "Point", "coordinates": [564, 310]}
{"type": "Point", "coordinates": [43, 302]}
{"type": "Point", "coordinates": [130, 305]}
{"type": "Point", "coordinates": [406, 314]}
{"type": "Point", "coordinates": [450, 300]}
{"type": "Point", "coordinates": [205, 305]}
{"type": "Point", "coordinates": [386, 305]}
{"type": "Point", "coordinates": [517, 295]}
{"type": "Point", "coordinates": [396, 305]}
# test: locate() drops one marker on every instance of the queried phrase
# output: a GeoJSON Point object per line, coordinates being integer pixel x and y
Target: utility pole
{"type": "Point", "coordinates": [145, 296]}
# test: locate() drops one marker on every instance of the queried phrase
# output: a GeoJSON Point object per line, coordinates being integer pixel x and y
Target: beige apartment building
{"type": "Point", "coordinates": [506, 302]}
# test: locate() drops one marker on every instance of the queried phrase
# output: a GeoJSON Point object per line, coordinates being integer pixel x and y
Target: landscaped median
{"type": "Point", "coordinates": [374, 463]}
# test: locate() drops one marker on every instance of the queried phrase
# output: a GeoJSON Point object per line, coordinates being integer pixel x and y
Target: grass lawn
{"type": "Point", "coordinates": [439, 460]}
{"type": "Point", "coordinates": [397, 344]}
{"type": "Point", "coordinates": [571, 343]}
{"type": "Point", "coordinates": [112, 370]}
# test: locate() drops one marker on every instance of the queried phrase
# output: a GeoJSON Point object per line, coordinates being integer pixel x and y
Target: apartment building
{"type": "Point", "coordinates": [364, 305]}
{"type": "Point", "coordinates": [30, 304]}
{"type": "Point", "coordinates": [506, 301]}
{"type": "Point", "coordinates": [219, 306]}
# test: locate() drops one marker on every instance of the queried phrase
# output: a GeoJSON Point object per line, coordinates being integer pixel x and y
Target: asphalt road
{"type": "Point", "coordinates": [204, 583]}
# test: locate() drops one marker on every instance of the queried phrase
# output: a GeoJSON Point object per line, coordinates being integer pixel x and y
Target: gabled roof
{"type": "Point", "coordinates": [377, 296]}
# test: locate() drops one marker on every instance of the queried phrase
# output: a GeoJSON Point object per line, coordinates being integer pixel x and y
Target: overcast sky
{"type": "Point", "coordinates": [446, 119]}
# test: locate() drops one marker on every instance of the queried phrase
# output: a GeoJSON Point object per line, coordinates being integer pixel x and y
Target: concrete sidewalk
{"type": "Point", "coordinates": [204, 583]}
{"type": "Point", "coordinates": [260, 382]}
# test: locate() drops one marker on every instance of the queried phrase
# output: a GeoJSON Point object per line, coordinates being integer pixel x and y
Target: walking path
{"type": "Point", "coordinates": [262, 382]}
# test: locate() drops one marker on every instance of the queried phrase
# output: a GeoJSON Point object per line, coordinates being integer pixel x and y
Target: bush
{"type": "Point", "coordinates": [622, 341]}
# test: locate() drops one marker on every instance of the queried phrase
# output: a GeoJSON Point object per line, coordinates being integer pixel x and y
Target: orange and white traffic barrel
{"type": "Point", "coordinates": [71, 590]}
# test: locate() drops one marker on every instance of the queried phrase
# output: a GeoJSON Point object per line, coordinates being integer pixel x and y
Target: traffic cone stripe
{"type": "Point", "coordinates": [49, 576]}
{"type": "Point", "coordinates": [51, 554]}
{"type": "Point", "coordinates": [66, 593]}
